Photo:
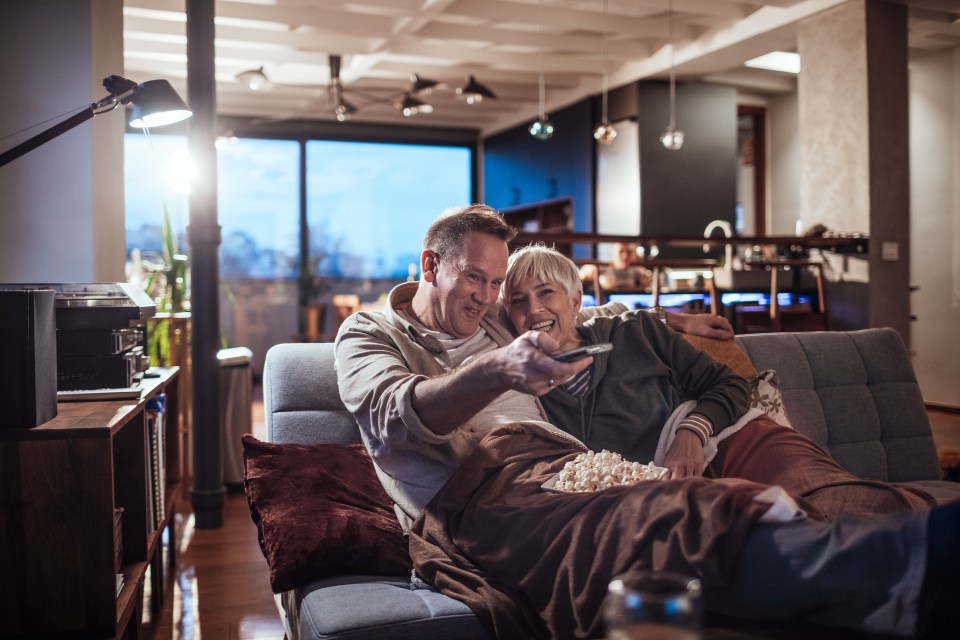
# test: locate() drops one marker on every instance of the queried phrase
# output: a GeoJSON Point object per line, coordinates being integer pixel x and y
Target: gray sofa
{"type": "Point", "coordinates": [853, 393]}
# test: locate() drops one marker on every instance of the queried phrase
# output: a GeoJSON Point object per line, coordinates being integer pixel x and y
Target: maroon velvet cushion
{"type": "Point", "coordinates": [320, 510]}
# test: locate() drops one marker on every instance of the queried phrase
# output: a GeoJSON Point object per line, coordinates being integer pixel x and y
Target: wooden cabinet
{"type": "Point", "coordinates": [546, 217]}
{"type": "Point", "coordinates": [61, 486]}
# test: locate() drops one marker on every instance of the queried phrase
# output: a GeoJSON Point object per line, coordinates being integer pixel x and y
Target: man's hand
{"type": "Point", "coordinates": [446, 401]}
{"type": "Point", "coordinates": [685, 456]}
{"type": "Point", "coordinates": [701, 324]}
{"type": "Point", "coordinates": [526, 364]}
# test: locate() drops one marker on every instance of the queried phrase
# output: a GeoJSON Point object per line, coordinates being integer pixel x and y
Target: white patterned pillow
{"type": "Point", "coordinates": [765, 395]}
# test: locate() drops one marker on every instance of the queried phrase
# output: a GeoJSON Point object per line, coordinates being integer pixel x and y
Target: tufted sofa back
{"type": "Point", "coordinates": [854, 394]}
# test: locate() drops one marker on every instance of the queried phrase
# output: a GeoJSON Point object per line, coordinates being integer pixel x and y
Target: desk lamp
{"type": "Point", "coordinates": [155, 104]}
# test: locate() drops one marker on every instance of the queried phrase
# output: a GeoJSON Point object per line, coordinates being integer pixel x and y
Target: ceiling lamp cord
{"type": "Point", "coordinates": [672, 138]}
{"type": "Point", "coordinates": [604, 133]}
{"type": "Point", "coordinates": [541, 128]}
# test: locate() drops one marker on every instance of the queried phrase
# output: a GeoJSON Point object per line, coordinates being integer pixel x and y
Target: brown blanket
{"type": "Point", "coordinates": [768, 453]}
{"type": "Point", "coordinates": [531, 563]}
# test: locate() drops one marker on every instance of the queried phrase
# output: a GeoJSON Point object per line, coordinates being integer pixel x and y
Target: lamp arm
{"type": "Point", "coordinates": [109, 103]}
{"type": "Point", "coordinates": [45, 136]}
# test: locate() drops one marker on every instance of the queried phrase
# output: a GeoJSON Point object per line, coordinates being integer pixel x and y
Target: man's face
{"type": "Point", "coordinates": [466, 285]}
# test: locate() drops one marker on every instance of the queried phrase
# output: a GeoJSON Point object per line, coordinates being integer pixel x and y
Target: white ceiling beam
{"type": "Point", "coordinates": [487, 57]}
{"type": "Point", "coordinates": [343, 44]}
{"type": "Point", "coordinates": [511, 37]}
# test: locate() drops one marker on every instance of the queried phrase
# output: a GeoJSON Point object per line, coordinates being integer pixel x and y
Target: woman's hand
{"type": "Point", "coordinates": [685, 456]}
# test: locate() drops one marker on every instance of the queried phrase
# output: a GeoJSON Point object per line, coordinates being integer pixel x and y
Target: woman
{"type": "Point", "coordinates": [624, 271]}
{"type": "Point", "coordinates": [623, 402]}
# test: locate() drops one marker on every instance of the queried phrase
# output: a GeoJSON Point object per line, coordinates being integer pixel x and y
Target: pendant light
{"type": "Point", "coordinates": [255, 79]}
{"type": "Point", "coordinates": [473, 92]}
{"type": "Point", "coordinates": [604, 133]}
{"type": "Point", "coordinates": [672, 138]}
{"type": "Point", "coordinates": [541, 128]}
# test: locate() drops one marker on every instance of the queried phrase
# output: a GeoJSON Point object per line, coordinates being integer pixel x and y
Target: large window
{"type": "Point", "coordinates": [368, 204]}
{"type": "Point", "coordinates": [367, 207]}
{"type": "Point", "coordinates": [152, 184]}
{"type": "Point", "coordinates": [258, 203]}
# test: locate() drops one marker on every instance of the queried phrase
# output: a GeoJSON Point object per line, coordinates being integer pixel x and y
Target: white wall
{"type": "Point", "coordinates": [61, 205]}
{"type": "Point", "coordinates": [935, 224]}
{"type": "Point", "coordinates": [783, 195]}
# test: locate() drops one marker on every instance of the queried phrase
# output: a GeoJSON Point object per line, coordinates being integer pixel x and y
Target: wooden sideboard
{"type": "Point", "coordinates": [62, 486]}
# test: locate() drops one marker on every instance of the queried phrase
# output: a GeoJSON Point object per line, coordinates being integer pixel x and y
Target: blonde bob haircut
{"type": "Point", "coordinates": [544, 264]}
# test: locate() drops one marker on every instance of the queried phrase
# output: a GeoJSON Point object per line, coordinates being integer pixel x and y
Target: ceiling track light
{"type": "Point", "coordinates": [672, 138]}
{"type": "Point", "coordinates": [604, 133]}
{"type": "Point", "coordinates": [541, 128]}
{"type": "Point", "coordinates": [473, 92]}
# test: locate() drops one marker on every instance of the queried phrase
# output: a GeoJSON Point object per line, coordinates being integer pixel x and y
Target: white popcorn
{"type": "Point", "coordinates": [591, 471]}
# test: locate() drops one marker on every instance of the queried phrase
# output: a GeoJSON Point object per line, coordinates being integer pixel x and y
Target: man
{"type": "Point", "coordinates": [437, 370]}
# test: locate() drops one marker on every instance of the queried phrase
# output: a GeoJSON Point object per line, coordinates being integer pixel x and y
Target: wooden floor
{"type": "Point", "coordinates": [221, 590]}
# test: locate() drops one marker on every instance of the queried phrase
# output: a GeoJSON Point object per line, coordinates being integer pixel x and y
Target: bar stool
{"type": "Point", "coordinates": [775, 312]}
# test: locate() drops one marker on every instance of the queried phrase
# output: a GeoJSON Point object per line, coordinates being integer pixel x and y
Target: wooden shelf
{"type": "Point", "coordinates": [60, 484]}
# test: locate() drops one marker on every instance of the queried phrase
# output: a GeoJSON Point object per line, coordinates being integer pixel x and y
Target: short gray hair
{"type": "Point", "coordinates": [545, 264]}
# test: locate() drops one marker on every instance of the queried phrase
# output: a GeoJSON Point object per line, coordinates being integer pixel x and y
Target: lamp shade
{"type": "Point", "coordinates": [156, 104]}
{"type": "Point", "coordinates": [474, 92]}
{"type": "Point", "coordinates": [422, 85]}
{"type": "Point", "coordinates": [256, 79]}
{"type": "Point", "coordinates": [410, 106]}
{"type": "Point", "coordinates": [344, 110]}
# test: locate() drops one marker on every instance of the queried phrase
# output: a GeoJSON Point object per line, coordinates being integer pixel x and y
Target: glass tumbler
{"type": "Point", "coordinates": [653, 606]}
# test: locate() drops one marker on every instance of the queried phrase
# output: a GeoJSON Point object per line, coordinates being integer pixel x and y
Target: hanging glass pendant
{"type": "Point", "coordinates": [672, 138]}
{"type": "Point", "coordinates": [604, 133]}
{"type": "Point", "coordinates": [541, 128]}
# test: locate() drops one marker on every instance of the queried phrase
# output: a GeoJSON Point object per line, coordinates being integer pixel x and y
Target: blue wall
{"type": "Point", "coordinates": [519, 169]}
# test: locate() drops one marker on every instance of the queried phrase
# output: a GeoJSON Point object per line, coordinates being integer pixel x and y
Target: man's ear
{"type": "Point", "coordinates": [428, 265]}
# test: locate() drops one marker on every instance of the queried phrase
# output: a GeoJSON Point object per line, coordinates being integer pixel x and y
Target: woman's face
{"type": "Point", "coordinates": [544, 306]}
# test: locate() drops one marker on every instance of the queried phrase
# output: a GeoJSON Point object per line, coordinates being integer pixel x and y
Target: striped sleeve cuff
{"type": "Point", "coordinates": [699, 425]}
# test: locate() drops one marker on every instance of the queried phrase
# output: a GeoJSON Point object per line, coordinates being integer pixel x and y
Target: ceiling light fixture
{"type": "Point", "coordinates": [410, 102]}
{"type": "Point", "coordinates": [604, 133]}
{"type": "Point", "coordinates": [422, 86]}
{"type": "Point", "coordinates": [776, 61]}
{"type": "Point", "coordinates": [473, 92]}
{"type": "Point", "coordinates": [410, 106]}
{"type": "Point", "coordinates": [256, 79]}
{"type": "Point", "coordinates": [672, 138]}
{"type": "Point", "coordinates": [541, 128]}
{"type": "Point", "coordinates": [343, 110]}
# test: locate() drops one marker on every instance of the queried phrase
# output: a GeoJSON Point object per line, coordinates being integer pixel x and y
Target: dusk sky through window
{"type": "Point", "coordinates": [368, 204]}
